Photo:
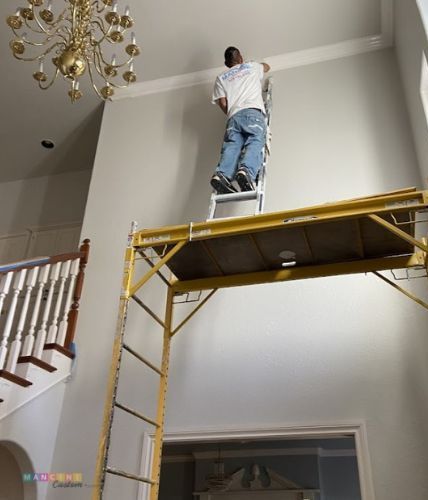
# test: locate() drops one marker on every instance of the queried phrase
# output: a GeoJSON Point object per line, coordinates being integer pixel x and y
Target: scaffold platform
{"type": "Point", "coordinates": [363, 235]}
{"type": "Point", "coordinates": [353, 236]}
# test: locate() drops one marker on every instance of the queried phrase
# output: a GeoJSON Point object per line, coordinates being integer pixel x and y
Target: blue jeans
{"type": "Point", "coordinates": [245, 130]}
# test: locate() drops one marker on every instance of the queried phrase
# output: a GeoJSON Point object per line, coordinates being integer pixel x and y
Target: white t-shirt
{"type": "Point", "coordinates": [242, 87]}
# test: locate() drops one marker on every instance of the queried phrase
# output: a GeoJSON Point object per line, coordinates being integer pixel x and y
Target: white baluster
{"type": "Point", "coordinates": [64, 321]}
{"type": "Point", "coordinates": [41, 334]}
{"type": "Point", "coordinates": [16, 344]}
{"type": "Point", "coordinates": [29, 340]}
{"type": "Point", "coordinates": [18, 284]}
{"type": "Point", "coordinates": [53, 329]}
{"type": "Point", "coordinates": [5, 282]}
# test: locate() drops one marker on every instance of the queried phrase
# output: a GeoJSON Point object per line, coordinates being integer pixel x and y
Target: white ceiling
{"type": "Point", "coordinates": [176, 38]}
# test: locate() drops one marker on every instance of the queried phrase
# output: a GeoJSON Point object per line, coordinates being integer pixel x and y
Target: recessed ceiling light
{"type": "Point", "coordinates": [287, 255]}
{"type": "Point", "coordinates": [46, 143]}
{"type": "Point", "coordinates": [289, 258]}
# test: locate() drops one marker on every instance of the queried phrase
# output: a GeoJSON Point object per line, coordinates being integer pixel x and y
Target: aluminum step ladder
{"type": "Point", "coordinates": [259, 193]}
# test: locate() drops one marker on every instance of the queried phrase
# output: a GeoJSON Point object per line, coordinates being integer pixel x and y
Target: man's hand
{"type": "Point", "coordinates": [266, 67]}
{"type": "Point", "coordinates": [222, 102]}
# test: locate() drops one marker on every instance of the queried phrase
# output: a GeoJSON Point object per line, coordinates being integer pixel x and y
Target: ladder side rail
{"type": "Point", "coordinates": [101, 467]}
{"type": "Point", "coordinates": [213, 206]}
{"type": "Point", "coordinates": [261, 185]}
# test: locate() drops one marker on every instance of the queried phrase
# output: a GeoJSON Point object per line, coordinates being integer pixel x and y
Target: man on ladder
{"type": "Point", "coordinates": [238, 92]}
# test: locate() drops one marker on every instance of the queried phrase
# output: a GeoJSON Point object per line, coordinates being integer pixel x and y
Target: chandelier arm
{"type": "Point", "coordinates": [73, 18]}
{"type": "Point", "coordinates": [60, 18]}
{"type": "Point", "coordinates": [40, 44]}
{"type": "Point", "coordinates": [44, 30]}
{"type": "Point", "coordinates": [98, 65]}
{"type": "Point", "coordinates": [34, 44]}
{"type": "Point", "coordinates": [92, 81]}
{"type": "Point", "coordinates": [45, 53]}
{"type": "Point", "coordinates": [66, 29]}
{"type": "Point", "coordinates": [100, 24]}
{"type": "Point", "coordinates": [96, 4]}
{"type": "Point", "coordinates": [101, 59]}
{"type": "Point", "coordinates": [98, 47]}
{"type": "Point", "coordinates": [117, 86]}
{"type": "Point", "coordinates": [125, 63]}
{"type": "Point", "coordinates": [32, 29]}
{"type": "Point", "coordinates": [51, 82]}
{"type": "Point", "coordinates": [60, 35]}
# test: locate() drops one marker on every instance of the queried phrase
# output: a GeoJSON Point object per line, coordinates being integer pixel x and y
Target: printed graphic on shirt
{"type": "Point", "coordinates": [237, 72]}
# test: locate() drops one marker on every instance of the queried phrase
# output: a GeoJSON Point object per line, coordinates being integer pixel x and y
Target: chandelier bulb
{"type": "Point", "coordinates": [114, 7]}
{"type": "Point", "coordinates": [113, 60]}
{"type": "Point", "coordinates": [133, 39]}
{"type": "Point", "coordinates": [131, 66]}
{"type": "Point", "coordinates": [41, 64]}
{"type": "Point", "coordinates": [127, 10]}
{"type": "Point", "coordinates": [49, 6]}
{"type": "Point", "coordinates": [18, 12]}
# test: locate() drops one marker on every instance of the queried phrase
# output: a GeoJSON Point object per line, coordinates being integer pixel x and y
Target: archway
{"type": "Point", "coordinates": [14, 462]}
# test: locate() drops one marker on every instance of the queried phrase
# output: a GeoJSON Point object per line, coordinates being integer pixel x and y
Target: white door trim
{"type": "Point", "coordinates": [356, 430]}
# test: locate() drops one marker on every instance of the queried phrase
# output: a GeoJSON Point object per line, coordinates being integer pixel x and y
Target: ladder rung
{"type": "Point", "coordinates": [143, 360]}
{"type": "Point", "coordinates": [241, 196]}
{"type": "Point", "coordinates": [137, 414]}
{"type": "Point", "coordinates": [127, 475]}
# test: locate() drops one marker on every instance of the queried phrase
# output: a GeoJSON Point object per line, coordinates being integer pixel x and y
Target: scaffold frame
{"type": "Point", "coordinates": [398, 249]}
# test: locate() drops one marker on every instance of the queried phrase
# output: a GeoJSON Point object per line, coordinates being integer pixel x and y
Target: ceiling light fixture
{"type": "Point", "coordinates": [46, 143]}
{"type": "Point", "coordinates": [76, 38]}
{"type": "Point", "coordinates": [289, 258]}
{"type": "Point", "coordinates": [219, 480]}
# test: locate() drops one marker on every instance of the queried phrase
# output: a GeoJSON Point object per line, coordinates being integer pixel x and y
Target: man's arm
{"type": "Point", "coordinates": [266, 67]}
{"type": "Point", "coordinates": [222, 102]}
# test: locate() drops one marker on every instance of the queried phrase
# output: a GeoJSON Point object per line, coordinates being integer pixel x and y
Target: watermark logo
{"type": "Point", "coordinates": [56, 479]}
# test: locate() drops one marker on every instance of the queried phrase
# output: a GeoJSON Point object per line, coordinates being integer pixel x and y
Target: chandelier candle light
{"type": "Point", "coordinates": [75, 39]}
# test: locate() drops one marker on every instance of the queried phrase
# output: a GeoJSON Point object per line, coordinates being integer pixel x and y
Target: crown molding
{"type": "Point", "coordinates": [278, 63]}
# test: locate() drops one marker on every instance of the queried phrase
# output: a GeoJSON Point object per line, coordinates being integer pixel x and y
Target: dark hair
{"type": "Point", "coordinates": [231, 55]}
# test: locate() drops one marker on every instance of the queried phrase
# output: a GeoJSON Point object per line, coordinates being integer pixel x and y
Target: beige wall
{"type": "Point", "coordinates": [341, 349]}
{"type": "Point", "coordinates": [43, 201]}
{"type": "Point", "coordinates": [411, 43]}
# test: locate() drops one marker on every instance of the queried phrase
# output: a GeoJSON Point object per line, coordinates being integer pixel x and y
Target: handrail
{"type": "Point", "coordinates": [38, 261]}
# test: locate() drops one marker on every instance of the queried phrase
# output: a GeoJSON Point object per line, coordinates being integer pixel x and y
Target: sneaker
{"type": "Point", "coordinates": [222, 184]}
{"type": "Point", "coordinates": [244, 180]}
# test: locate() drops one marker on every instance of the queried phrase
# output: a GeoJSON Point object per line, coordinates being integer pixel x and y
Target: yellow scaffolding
{"type": "Point", "coordinates": [362, 235]}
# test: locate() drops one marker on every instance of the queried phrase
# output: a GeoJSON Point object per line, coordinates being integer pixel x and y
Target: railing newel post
{"type": "Point", "coordinates": [74, 311]}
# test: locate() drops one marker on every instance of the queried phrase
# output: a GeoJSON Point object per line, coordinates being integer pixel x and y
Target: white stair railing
{"type": "Point", "coordinates": [63, 325]}
{"type": "Point", "coordinates": [18, 285]}
{"type": "Point", "coordinates": [30, 338]}
{"type": "Point", "coordinates": [40, 295]}
{"type": "Point", "coordinates": [17, 343]}
{"type": "Point", "coordinates": [42, 332]}
{"type": "Point", "coordinates": [53, 328]}
{"type": "Point", "coordinates": [5, 282]}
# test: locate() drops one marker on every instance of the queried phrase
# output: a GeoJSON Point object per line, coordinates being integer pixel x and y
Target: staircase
{"type": "Point", "coordinates": [39, 306]}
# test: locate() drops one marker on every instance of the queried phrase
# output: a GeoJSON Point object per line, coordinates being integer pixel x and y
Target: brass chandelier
{"type": "Point", "coordinates": [75, 40]}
